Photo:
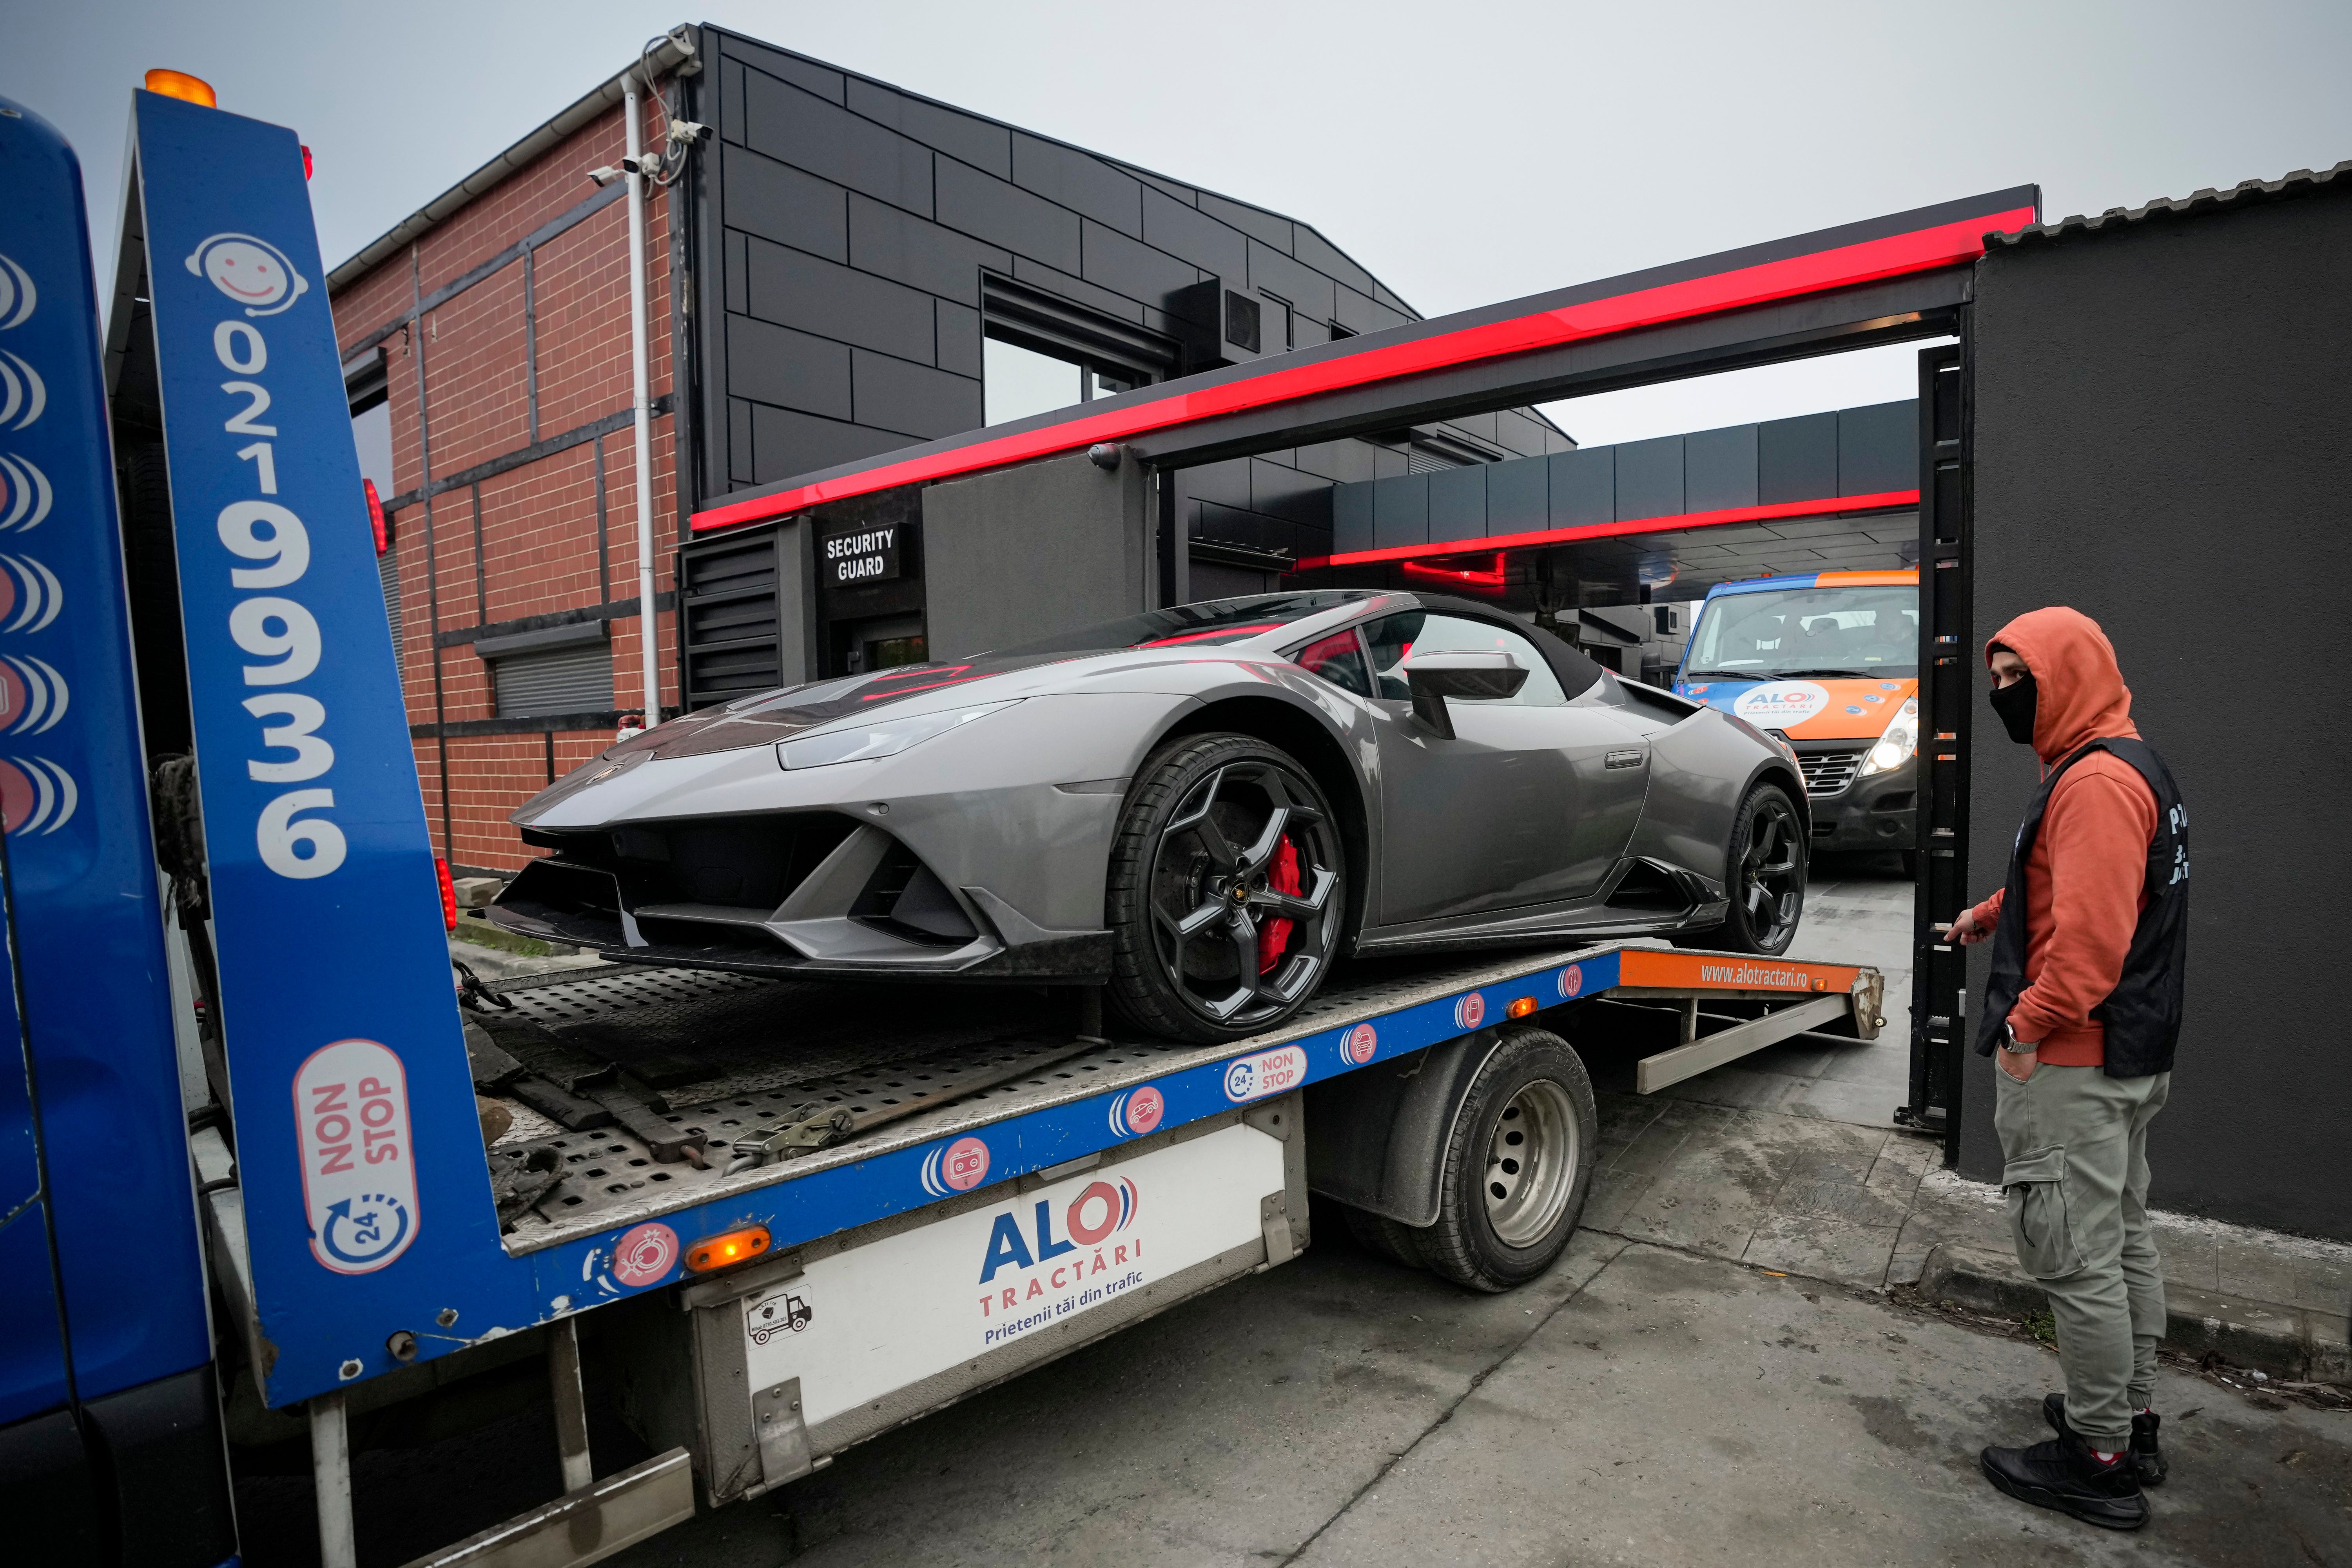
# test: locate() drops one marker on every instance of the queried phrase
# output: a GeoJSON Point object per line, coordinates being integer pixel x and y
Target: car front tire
{"type": "Point", "coordinates": [1226, 890]}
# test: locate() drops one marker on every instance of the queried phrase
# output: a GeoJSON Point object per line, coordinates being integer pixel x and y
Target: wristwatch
{"type": "Point", "coordinates": [2012, 1044]}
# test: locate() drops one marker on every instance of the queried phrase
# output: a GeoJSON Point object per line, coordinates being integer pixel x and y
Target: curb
{"type": "Point", "coordinates": [2287, 1343]}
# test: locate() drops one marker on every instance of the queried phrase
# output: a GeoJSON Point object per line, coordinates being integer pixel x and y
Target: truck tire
{"type": "Point", "coordinates": [1517, 1168]}
{"type": "Point", "coordinates": [1226, 890]}
{"type": "Point", "coordinates": [1764, 867]}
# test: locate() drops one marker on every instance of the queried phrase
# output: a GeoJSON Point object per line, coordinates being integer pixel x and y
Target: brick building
{"type": "Point", "coordinates": [839, 269]}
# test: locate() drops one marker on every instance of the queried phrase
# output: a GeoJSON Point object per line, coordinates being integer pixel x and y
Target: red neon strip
{"type": "Point", "coordinates": [1495, 576]}
{"type": "Point", "coordinates": [1873, 502]}
{"type": "Point", "coordinates": [1922, 250]}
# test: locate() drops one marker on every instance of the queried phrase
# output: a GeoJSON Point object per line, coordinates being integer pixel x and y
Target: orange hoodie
{"type": "Point", "coordinates": [2084, 878]}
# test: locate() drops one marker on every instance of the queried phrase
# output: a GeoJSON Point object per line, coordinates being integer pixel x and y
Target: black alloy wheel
{"type": "Point", "coordinates": [1765, 874]}
{"type": "Point", "coordinates": [1225, 894]}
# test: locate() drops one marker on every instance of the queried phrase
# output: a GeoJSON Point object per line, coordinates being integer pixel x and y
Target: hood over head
{"type": "Point", "coordinates": [2082, 695]}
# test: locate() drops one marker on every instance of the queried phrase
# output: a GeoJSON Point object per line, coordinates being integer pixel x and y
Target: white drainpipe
{"type": "Point", "coordinates": [647, 622]}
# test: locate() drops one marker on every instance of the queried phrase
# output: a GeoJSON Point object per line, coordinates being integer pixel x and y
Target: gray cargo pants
{"type": "Point", "coordinates": [2074, 1143]}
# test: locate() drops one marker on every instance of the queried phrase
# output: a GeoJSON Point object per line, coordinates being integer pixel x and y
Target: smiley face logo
{"type": "Point", "coordinates": [253, 272]}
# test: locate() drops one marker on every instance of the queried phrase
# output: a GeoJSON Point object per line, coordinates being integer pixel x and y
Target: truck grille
{"type": "Point", "coordinates": [1829, 772]}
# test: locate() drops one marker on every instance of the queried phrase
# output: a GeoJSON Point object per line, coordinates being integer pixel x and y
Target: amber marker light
{"type": "Point", "coordinates": [1520, 1008]}
{"type": "Point", "coordinates": [180, 84]}
{"type": "Point", "coordinates": [727, 1248]}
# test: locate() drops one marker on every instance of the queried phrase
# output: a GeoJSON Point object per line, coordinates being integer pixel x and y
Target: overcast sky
{"type": "Point", "coordinates": [1464, 152]}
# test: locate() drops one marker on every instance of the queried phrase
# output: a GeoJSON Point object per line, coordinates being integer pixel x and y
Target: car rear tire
{"type": "Point", "coordinates": [1226, 890]}
{"type": "Point", "coordinates": [1518, 1168]}
{"type": "Point", "coordinates": [1765, 867]}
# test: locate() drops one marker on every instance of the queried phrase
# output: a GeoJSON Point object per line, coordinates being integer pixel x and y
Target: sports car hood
{"type": "Point", "coordinates": [1829, 709]}
{"type": "Point", "coordinates": [774, 716]}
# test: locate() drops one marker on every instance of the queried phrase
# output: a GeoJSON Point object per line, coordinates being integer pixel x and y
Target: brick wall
{"type": "Point", "coordinates": [507, 365]}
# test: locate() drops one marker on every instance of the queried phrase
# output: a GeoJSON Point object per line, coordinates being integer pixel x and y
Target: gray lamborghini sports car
{"type": "Point", "coordinates": [1202, 808]}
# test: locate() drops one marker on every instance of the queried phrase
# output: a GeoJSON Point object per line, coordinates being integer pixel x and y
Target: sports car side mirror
{"type": "Point", "coordinates": [1433, 677]}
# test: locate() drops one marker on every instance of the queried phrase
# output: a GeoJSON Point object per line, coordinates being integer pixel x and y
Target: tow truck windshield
{"type": "Point", "coordinates": [1808, 634]}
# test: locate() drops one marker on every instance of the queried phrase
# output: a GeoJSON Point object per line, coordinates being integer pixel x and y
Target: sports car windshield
{"type": "Point", "coordinates": [1217, 622]}
{"type": "Point", "coordinates": [1807, 632]}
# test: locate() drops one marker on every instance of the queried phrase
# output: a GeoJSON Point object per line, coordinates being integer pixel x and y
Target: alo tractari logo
{"type": "Point", "coordinates": [253, 272]}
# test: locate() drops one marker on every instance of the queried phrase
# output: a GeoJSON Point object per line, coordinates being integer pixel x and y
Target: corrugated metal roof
{"type": "Point", "coordinates": [2300, 183]}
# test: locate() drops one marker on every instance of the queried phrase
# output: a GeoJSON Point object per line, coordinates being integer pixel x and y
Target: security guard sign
{"type": "Point", "coordinates": [863, 556]}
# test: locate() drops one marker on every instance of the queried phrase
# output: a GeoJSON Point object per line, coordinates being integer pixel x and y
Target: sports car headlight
{"type": "Point", "coordinates": [1895, 747]}
{"type": "Point", "coordinates": [885, 738]}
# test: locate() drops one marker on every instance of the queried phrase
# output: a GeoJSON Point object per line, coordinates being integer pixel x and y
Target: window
{"type": "Point", "coordinates": [1339, 660]}
{"type": "Point", "coordinates": [1789, 634]}
{"type": "Point", "coordinates": [1040, 353]}
{"type": "Point", "coordinates": [1018, 382]}
{"type": "Point", "coordinates": [1394, 639]}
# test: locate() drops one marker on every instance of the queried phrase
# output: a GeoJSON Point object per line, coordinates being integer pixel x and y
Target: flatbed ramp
{"type": "Point", "coordinates": [727, 1054]}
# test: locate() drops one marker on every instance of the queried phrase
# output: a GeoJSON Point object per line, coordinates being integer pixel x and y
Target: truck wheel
{"type": "Point", "coordinates": [1225, 890]}
{"type": "Point", "coordinates": [1518, 1167]}
{"type": "Point", "coordinates": [1765, 874]}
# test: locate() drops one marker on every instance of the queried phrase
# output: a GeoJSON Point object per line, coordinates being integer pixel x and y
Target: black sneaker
{"type": "Point", "coordinates": [2063, 1474]}
{"type": "Point", "coordinates": [2147, 1457]}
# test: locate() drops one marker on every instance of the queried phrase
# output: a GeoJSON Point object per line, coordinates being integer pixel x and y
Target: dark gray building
{"type": "Point", "coordinates": [892, 270]}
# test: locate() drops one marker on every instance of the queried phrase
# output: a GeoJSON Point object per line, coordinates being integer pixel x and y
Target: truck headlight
{"type": "Point", "coordinates": [883, 738]}
{"type": "Point", "coordinates": [1900, 742]}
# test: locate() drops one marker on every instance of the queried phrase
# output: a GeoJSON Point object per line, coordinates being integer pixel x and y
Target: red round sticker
{"type": "Point", "coordinates": [1470, 1012]}
{"type": "Point", "coordinates": [1361, 1043]}
{"type": "Point", "coordinates": [1572, 980]}
{"type": "Point", "coordinates": [965, 1164]}
{"type": "Point", "coordinates": [1144, 1108]}
{"type": "Point", "coordinates": [644, 1255]}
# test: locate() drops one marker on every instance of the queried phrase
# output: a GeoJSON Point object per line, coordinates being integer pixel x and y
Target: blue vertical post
{"type": "Point", "coordinates": [358, 1151]}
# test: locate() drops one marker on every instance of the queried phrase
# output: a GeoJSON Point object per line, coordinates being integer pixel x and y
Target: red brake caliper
{"type": "Point", "coordinates": [1283, 877]}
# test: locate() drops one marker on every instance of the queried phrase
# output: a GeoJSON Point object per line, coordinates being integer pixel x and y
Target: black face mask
{"type": "Point", "coordinates": [2015, 703]}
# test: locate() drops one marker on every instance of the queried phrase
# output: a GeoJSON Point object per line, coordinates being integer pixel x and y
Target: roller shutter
{"type": "Point", "coordinates": [575, 680]}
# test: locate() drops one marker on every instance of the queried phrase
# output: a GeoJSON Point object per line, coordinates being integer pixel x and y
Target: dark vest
{"type": "Point", "coordinates": [2142, 1014]}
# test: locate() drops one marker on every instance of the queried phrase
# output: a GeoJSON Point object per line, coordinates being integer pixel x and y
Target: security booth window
{"type": "Point", "coordinates": [1395, 639]}
{"type": "Point", "coordinates": [1812, 632]}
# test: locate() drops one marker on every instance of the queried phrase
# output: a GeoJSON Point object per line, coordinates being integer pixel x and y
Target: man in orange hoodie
{"type": "Point", "coordinates": [2082, 1011]}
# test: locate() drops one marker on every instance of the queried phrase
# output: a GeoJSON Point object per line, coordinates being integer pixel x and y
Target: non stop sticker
{"type": "Point", "coordinates": [359, 1173]}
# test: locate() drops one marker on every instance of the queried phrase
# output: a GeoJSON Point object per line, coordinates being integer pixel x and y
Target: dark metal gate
{"type": "Point", "coordinates": [1946, 665]}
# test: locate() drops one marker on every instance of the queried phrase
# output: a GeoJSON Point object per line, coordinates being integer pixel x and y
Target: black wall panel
{"type": "Point", "coordinates": [1878, 448]}
{"type": "Point", "coordinates": [802, 129]}
{"type": "Point", "coordinates": [1457, 504]}
{"type": "Point", "coordinates": [769, 364]}
{"type": "Point", "coordinates": [776, 201]}
{"type": "Point", "coordinates": [1583, 487]}
{"type": "Point", "coordinates": [1003, 214]}
{"type": "Point", "coordinates": [2151, 403]}
{"type": "Point", "coordinates": [982, 143]}
{"type": "Point", "coordinates": [1081, 181]}
{"type": "Point", "coordinates": [1191, 235]}
{"type": "Point", "coordinates": [794, 290]}
{"type": "Point", "coordinates": [1650, 477]}
{"type": "Point", "coordinates": [1720, 469]}
{"type": "Point", "coordinates": [1797, 459]}
{"type": "Point", "coordinates": [892, 394]}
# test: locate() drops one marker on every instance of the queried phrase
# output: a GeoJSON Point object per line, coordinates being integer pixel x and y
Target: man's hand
{"type": "Point", "coordinates": [2018, 1064]}
{"type": "Point", "coordinates": [1966, 931]}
